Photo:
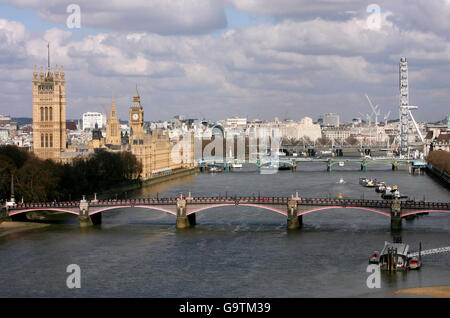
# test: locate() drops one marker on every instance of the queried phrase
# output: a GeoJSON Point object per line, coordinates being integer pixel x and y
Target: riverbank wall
{"type": "Point", "coordinates": [442, 176]}
{"type": "Point", "coordinates": [154, 180]}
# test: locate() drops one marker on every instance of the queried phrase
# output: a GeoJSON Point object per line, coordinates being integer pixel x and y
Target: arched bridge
{"type": "Point", "coordinates": [186, 207]}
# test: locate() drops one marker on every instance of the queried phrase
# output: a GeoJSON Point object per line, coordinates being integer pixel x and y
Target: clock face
{"type": "Point", "coordinates": [135, 116]}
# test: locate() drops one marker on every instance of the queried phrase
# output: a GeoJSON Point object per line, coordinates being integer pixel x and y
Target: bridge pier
{"type": "Point", "coordinates": [363, 166]}
{"type": "Point", "coordinates": [294, 167]}
{"type": "Point", "coordinates": [84, 218]}
{"type": "Point", "coordinates": [183, 220]}
{"type": "Point", "coordinates": [329, 165]}
{"type": "Point", "coordinates": [395, 166]}
{"type": "Point", "coordinates": [293, 220]}
{"type": "Point", "coordinates": [396, 216]}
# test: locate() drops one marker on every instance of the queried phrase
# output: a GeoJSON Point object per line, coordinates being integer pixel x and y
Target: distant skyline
{"type": "Point", "coordinates": [222, 58]}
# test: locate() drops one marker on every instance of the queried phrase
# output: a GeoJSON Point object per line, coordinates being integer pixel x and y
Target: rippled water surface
{"type": "Point", "coordinates": [233, 251]}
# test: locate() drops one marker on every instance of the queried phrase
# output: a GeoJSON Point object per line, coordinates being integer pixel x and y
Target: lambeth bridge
{"type": "Point", "coordinates": [184, 208]}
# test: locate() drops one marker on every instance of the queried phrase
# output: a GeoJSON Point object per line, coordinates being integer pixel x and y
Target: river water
{"type": "Point", "coordinates": [233, 251]}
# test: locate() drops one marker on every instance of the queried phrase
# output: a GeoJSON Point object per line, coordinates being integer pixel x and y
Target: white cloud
{"type": "Point", "coordinates": [296, 67]}
{"type": "Point", "coordinates": [12, 35]}
{"type": "Point", "coordinates": [158, 16]}
{"type": "Point", "coordinates": [298, 8]}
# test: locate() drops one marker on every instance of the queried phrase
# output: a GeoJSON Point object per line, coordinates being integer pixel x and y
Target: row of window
{"type": "Point", "coordinates": [46, 113]}
{"type": "Point", "coordinates": [46, 140]}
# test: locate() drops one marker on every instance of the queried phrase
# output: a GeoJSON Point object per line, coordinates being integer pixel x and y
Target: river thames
{"type": "Point", "coordinates": [234, 251]}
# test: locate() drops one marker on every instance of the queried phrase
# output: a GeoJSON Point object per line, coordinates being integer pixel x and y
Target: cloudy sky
{"type": "Point", "coordinates": [219, 58]}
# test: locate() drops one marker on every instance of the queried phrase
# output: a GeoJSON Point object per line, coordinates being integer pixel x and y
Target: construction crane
{"type": "Point", "coordinates": [386, 117]}
{"type": "Point", "coordinates": [375, 109]}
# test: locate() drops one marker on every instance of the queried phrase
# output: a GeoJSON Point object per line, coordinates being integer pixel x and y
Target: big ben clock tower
{"type": "Point", "coordinates": [137, 119]}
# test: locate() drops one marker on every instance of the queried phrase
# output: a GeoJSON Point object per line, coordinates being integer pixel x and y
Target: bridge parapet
{"type": "Point", "coordinates": [185, 208]}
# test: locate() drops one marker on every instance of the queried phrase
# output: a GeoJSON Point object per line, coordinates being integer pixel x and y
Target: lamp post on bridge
{"type": "Point", "coordinates": [11, 203]}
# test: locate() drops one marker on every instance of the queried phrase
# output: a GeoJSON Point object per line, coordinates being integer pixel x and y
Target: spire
{"type": "Point", "coordinates": [48, 74]}
{"type": "Point", "coordinates": [113, 111]}
{"type": "Point", "coordinates": [48, 58]}
{"type": "Point", "coordinates": [12, 187]}
{"type": "Point", "coordinates": [137, 98]}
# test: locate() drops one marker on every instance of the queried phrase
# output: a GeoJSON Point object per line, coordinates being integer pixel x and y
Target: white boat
{"type": "Point", "coordinates": [214, 169]}
{"type": "Point", "coordinates": [341, 163]}
{"type": "Point", "coordinates": [270, 168]}
{"type": "Point", "coordinates": [236, 165]}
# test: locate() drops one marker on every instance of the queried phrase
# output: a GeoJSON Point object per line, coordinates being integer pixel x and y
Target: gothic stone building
{"type": "Point", "coordinates": [154, 149]}
{"type": "Point", "coordinates": [49, 113]}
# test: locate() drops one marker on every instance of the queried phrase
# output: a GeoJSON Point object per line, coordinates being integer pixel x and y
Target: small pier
{"type": "Point", "coordinates": [417, 167]}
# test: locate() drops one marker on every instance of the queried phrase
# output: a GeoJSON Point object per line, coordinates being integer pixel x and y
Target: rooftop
{"type": "Point", "coordinates": [402, 249]}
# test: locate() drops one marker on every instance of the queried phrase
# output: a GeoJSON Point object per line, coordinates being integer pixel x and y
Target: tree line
{"type": "Point", "coordinates": [46, 180]}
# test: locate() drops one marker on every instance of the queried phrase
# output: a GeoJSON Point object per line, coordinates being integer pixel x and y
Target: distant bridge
{"type": "Point", "coordinates": [293, 162]}
{"type": "Point", "coordinates": [186, 207]}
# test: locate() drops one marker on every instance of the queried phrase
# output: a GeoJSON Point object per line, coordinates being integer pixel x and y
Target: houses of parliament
{"type": "Point", "coordinates": [153, 149]}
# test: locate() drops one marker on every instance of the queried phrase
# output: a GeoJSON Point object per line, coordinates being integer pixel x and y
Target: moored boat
{"type": "Point", "coordinates": [414, 263]}
{"type": "Point", "coordinates": [374, 258]}
{"type": "Point", "coordinates": [236, 165]}
{"type": "Point", "coordinates": [369, 183]}
{"type": "Point", "coordinates": [363, 180]}
{"type": "Point", "coordinates": [284, 167]}
{"type": "Point", "coordinates": [391, 193]}
{"type": "Point", "coordinates": [215, 169]}
{"type": "Point", "coordinates": [381, 187]}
